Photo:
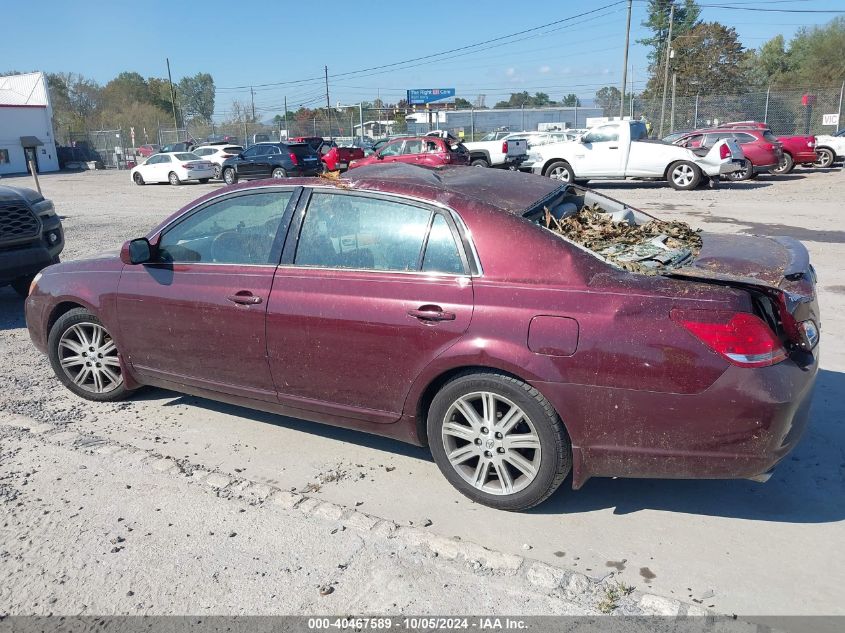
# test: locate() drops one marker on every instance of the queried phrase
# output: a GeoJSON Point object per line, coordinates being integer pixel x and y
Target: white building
{"type": "Point", "coordinates": [26, 124]}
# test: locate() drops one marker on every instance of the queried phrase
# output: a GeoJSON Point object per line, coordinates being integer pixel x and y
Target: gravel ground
{"type": "Point", "coordinates": [707, 544]}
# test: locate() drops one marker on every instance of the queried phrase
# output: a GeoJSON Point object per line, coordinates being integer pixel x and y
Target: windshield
{"type": "Point", "coordinates": [187, 156]}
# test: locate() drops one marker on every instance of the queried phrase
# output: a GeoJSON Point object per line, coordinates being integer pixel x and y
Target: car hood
{"type": "Point", "coordinates": [105, 261]}
{"type": "Point", "coordinates": [14, 194]}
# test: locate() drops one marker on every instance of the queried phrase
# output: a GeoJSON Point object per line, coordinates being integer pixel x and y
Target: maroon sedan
{"type": "Point", "coordinates": [434, 307]}
{"type": "Point", "coordinates": [423, 151]}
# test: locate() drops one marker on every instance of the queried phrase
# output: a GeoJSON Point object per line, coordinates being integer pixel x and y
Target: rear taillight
{"type": "Point", "coordinates": [504, 147]}
{"type": "Point", "coordinates": [768, 146]}
{"type": "Point", "coordinates": [293, 158]}
{"type": "Point", "coordinates": [742, 338]}
{"type": "Point", "coordinates": [186, 165]}
{"type": "Point", "coordinates": [811, 143]}
{"type": "Point", "coordinates": [724, 151]}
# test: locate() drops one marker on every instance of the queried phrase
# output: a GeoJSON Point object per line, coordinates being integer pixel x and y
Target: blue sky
{"type": "Point", "coordinates": [291, 41]}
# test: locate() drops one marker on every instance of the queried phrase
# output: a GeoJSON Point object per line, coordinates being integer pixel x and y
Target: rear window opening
{"type": "Point", "coordinates": [619, 235]}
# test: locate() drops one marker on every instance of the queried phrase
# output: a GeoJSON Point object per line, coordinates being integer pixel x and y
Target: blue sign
{"type": "Point", "coordinates": [421, 96]}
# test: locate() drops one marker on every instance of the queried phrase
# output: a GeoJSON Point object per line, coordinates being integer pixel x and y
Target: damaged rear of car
{"type": "Point", "coordinates": [747, 302]}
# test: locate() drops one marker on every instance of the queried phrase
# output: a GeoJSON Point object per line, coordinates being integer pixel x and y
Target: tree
{"type": "Point", "coordinates": [685, 18]}
{"type": "Point", "coordinates": [196, 96]}
{"type": "Point", "coordinates": [462, 104]}
{"type": "Point", "coordinates": [709, 59]}
{"type": "Point", "coordinates": [572, 101]}
{"type": "Point", "coordinates": [127, 88]}
{"type": "Point", "coordinates": [607, 99]}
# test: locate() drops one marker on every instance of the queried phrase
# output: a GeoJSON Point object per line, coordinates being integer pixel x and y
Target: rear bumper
{"type": "Point", "coordinates": [740, 427]}
{"type": "Point", "coordinates": [761, 169]}
{"type": "Point", "coordinates": [730, 166]}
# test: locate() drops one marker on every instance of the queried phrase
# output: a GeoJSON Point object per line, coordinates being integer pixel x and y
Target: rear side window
{"type": "Point", "coordinates": [233, 149]}
{"type": "Point", "coordinates": [744, 138]}
{"type": "Point", "coordinates": [432, 147]}
{"type": "Point", "coordinates": [237, 230]}
{"type": "Point", "coordinates": [767, 134]}
{"type": "Point", "coordinates": [441, 251]}
{"type": "Point", "coordinates": [413, 147]}
{"type": "Point", "coordinates": [638, 131]}
{"type": "Point", "coordinates": [343, 231]}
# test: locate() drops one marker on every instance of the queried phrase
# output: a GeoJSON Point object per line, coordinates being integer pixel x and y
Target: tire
{"type": "Point", "coordinates": [69, 347]}
{"type": "Point", "coordinates": [786, 165]}
{"type": "Point", "coordinates": [745, 173]}
{"type": "Point", "coordinates": [683, 175]}
{"type": "Point", "coordinates": [229, 176]}
{"type": "Point", "coordinates": [560, 170]}
{"type": "Point", "coordinates": [204, 180]}
{"type": "Point", "coordinates": [825, 157]}
{"type": "Point", "coordinates": [546, 453]}
{"type": "Point", "coordinates": [479, 162]}
{"type": "Point", "coordinates": [174, 179]}
{"type": "Point", "coordinates": [217, 172]}
{"type": "Point", "coordinates": [278, 173]}
{"type": "Point", "coordinates": [138, 179]}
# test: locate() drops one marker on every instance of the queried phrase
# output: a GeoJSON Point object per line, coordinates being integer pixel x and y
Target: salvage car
{"type": "Point", "coordinates": [460, 309]}
{"type": "Point", "coordinates": [830, 148]}
{"type": "Point", "coordinates": [424, 151]}
{"type": "Point", "coordinates": [762, 151]}
{"type": "Point", "coordinates": [31, 236]}
{"type": "Point", "coordinates": [798, 149]}
{"type": "Point", "coordinates": [172, 167]}
{"type": "Point", "coordinates": [623, 150]}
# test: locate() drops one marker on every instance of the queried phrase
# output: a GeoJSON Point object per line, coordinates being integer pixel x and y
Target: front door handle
{"type": "Point", "coordinates": [431, 313]}
{"type": "Point", "coordinates": [244, 297]}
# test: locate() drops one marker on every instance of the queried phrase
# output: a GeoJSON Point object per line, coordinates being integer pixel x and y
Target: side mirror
{"type": "Point", "coordinates": [379, 156]}
{"type": "Point", "coordinates": [137, 251]}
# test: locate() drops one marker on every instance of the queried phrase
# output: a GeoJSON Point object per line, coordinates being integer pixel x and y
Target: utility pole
{"type": "Point", "coordinates": [252, 97]}
{"type": "Point", "coordinates": [625, 63]}
{"type": "Point", "coordinates": [672, 115]}
{"type": "Point", "coordinates": [172, 99]}
{"type": "Point", "coordinates": [328, 104]}
{"type": "Point", "coordinates": [666, 69]}
{"type": "Point", "coordinates": [287, 129]}
{"type": "Point", "coordinates": [632, 92]}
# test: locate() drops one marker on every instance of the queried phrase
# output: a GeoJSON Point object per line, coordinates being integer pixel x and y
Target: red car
{"type": "Point", "coordinates": [425, 151]}
{"type": "Point", "coordinates": [434, 307]}
{"type": "Point", "coordinates": [148, 150]}
{"type": "Point", "coordinates": [336, 158]}
{"type": "Point", "coordinates": [797, 149]}
{"type": "Point", "coordinates": [763, 152]}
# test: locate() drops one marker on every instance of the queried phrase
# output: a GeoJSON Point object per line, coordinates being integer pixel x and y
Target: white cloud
{"type": "Point", "coordinates": [510, 72]}
{"type": "Point", "coordinates": [545, 69]}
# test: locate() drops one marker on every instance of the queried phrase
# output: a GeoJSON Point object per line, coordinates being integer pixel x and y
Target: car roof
{"type": "Point", "coordinates": [510, 191]}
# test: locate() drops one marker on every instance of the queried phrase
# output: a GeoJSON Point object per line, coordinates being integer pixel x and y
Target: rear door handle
{"type": "Point", "coordinates": [244, 297]}
{"type": "Point", "coordinates": [613, 147]}
{"type": "Point", "coordinates": [431, 313]}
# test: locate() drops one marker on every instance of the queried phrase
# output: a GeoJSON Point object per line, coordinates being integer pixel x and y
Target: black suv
{"type": "Point", "coordinates": [31, 236]}
{"type": "Point", "coordinates": [272, 160]}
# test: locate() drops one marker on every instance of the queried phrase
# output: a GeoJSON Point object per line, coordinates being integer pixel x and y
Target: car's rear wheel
{"type": "Point", "coordinates": [174, 179]}
{"type": "Point", "coordinates": [229, 176]}
{"type": "Point", "coordinates": [744, 173]}
{"type": "Point", "coordinates": [786, 165]}
{"type": "Point", "coordinates": [138, 178]}
{"type": "Point", "coordinates": [825, 157]}
{"type": "Point", "coordinates": [684, 175]}
{"type": "Point", "coordinates": [560, 170]}
{"type": "Point", "coordinates": [217, 172]}
{"type": "Point", "coordinates": [278, 172]}
{"type": "Point", "coordinates": [498, 440]}
{"type": "Point", "coordinates": [479, 162]}
{"type": "Point", "coordinates": [85, 357]}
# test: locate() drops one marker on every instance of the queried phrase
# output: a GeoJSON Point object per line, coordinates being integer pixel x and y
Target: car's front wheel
{"type": "Point", "coordinates": [560, 170]}
{"type": "Point", "coordinates": [479, 162]}
{"type": "Point", "coordinates": [229, 176]}
{"type": "Point", "coordinates": [85, 357]}
{"type": "Point", "coordinates": [217, 172]}
{"type": "Point", "coordinates": [138, 178]}
{"type": "Point", "coordinates": [825, 157]}
{"type": "Point", "coordinates": [498, 440]}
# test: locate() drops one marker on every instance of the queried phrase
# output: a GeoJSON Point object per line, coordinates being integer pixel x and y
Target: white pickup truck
{"type": "Point", "coordinates": [497, 150]}
{"type": "Point", "coordinates": [830, 148]}
{"type": "Point", "coordinates": [622, 150]}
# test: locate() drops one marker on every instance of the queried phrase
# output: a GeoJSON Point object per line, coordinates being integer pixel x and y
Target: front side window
{"type": "Point", "coordinates": [344, 231]}
{"type": "Point", "coordinates": [603, 134]}
{"type": "Point", "coordinates": [252, 152]}
{"type": "Point", "coordinates": [392, 149]}
{"type": "Point", "coordinates": [237, 230]}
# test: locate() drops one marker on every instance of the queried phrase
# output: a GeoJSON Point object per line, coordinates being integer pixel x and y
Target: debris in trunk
{"type": "Point", "coordinates": [642, 248]}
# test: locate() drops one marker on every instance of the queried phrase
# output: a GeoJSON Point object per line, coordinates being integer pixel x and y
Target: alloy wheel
{"type": "Point", "coordinates": [88, 356]}
{"type": "Point", "coordinates": [217, 172]}
{"type": "Point", "coordinates": [559, 173]}
{"type": "Point", "coordinates": [683, 175]}
{"type": "Point", "coordinates": [491, 443]}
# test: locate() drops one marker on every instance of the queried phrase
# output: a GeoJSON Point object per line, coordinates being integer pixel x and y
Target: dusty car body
{"type": "Point", "coordinates": [702, 368]}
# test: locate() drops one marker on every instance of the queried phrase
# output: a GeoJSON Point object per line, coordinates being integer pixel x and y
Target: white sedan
{"type": "Point", "coordinates": [217, 154]}
{"type": "Point", "coordinates": [172, 167]}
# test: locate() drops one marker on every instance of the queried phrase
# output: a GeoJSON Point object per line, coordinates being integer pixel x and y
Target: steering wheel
{"type": "Point", "coordinates": [227, 247]}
